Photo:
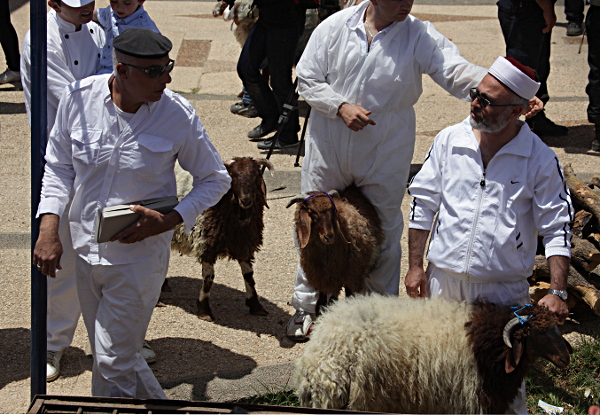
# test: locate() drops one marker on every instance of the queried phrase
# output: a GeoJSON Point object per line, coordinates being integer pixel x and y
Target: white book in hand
{"type": "Point", "coordinates": [112, 220]}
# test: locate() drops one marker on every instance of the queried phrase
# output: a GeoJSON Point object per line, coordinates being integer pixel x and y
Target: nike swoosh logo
{"type": "Point", "coordinates": [511, 182]}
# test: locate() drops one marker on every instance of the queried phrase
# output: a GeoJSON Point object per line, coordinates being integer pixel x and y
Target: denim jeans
{"type": "Point", "coordinates": [8, 37]}
{"type": "Point", "coordinates": [277, 46]}
{"type": "Point", "coordinates": [522, 23]}
{"type": "Point", "coordinates": [592, 27]}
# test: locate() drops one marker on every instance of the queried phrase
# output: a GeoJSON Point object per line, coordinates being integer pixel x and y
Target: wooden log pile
{"type": "Point", "coordinates": [584, 274]}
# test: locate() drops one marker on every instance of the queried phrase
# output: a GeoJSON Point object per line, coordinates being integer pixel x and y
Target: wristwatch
{"type": "Point", "coordinates": [562, 294]}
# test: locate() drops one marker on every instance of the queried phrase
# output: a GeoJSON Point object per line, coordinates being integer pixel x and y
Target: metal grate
{"type": "Point", "coordinates": [50, 404]}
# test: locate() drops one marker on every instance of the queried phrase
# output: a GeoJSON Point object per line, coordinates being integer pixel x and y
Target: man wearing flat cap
{"type": "Point", "coordinates": [73, 52]}
{"type": "Point", "coordinates": [494, 186]}
{"type": "Point", "coordinates": [115, 141]}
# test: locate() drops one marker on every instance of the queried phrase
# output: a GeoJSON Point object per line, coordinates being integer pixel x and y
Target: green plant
{"type": "Point", "coordinates": [275, 395]}
{"type": "Point", "coordinates": [575, 388]}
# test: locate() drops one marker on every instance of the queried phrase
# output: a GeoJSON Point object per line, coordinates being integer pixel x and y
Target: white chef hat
{"type": "Point", "coordinates": [515, 76]}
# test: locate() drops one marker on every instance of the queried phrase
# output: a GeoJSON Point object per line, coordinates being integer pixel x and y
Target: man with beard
{"type": "Point", "coordinates": [494, 186]}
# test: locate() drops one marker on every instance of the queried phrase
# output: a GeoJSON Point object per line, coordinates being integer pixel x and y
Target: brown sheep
{"type": "Point", "coordinates": [233, 229]}
{"type": "Point", "coordinates": [340, 237]}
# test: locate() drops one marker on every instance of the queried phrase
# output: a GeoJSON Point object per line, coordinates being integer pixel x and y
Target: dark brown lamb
{"type": "Point", "coordinates": [339, 237]}
{"type": "Point", "coordinates": [233, 228]}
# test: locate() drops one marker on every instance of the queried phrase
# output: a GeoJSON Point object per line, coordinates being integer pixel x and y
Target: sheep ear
{"type": "Point", "coordinates": [514, 356]}
{"type": "Point", "coordinates": [263, 188]}
{"type": "Point", "coordinates": [303, 228]}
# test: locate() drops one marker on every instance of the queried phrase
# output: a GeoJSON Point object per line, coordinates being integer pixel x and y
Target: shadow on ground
{"type": "Point", "coordinates": [195, 363]}
{"type": "Point", "coordinates": [15, 363]}
{"type": "Point", "coordinates": [12, 108]}
{"type": "Point", "coordinates": [229, 308]}
{"type": "Point", "coordinates": [577, 141]}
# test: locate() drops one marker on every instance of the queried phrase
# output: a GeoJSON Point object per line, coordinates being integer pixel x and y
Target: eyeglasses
{"type": "Point", "coordinates": [474, 93]}
{"type": "Point", "coordinates": [154, 71]}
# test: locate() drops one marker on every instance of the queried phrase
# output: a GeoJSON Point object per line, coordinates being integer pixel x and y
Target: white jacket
{"type": "Point", "coordinates": [488, 219]}
{"type": "Point", "coordinates": [71, 55]}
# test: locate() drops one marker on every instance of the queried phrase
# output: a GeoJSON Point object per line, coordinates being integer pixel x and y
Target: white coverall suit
{"type": "Point", "coordinates": [71, 55]}
{"type": "Point", "coordinates": [336, 67]}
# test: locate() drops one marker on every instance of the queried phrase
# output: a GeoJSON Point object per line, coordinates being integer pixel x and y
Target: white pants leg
{"type": "Point", "coordinates": [63, 304]}
{"type": "Point", "coordinates": [443, 285]}
{"type": "Point", "coordinates": [117, 302]}
{"type": "Point", "coordinates": [383, 182]}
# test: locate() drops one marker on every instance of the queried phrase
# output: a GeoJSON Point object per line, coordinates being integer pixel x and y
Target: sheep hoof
{"type": "Point", "coordinates": [256, 309]}
{"type": "Point", "coordinates": [205, 317]}
{"type": "Point", "coordinates": [204, 312]}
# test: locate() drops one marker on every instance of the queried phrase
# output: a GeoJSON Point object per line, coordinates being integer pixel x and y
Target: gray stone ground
{"type": "Point", "coordinates": [239, 355]}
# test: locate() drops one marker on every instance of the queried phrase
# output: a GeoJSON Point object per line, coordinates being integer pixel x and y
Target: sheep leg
{"type": "Point", "coordinates": [208, 276]}
{"type": "Point", "coordinates": [321, 302]}
{"type": "Point", "coordinates": [251, 295]}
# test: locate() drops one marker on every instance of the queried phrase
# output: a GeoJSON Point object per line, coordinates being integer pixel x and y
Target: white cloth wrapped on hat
{"type": "Point", "coordinates": [513, 78]}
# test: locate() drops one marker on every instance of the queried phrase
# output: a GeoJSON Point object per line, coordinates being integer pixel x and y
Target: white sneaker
{"type": "Point", "coordinates": [53, 365]}
{"type": "Point", "coordinates": [299, 326]}
{"type": "Point", "coordinates": [8, 77]}
{"type": "Point", "coordinates": [147, 353]}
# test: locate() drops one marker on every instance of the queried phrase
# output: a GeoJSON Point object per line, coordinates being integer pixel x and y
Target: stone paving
{"type": "Point", "coordinates": [239, 355]}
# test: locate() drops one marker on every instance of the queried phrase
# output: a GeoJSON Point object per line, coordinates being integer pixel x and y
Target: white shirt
{"type": "Point", "coordinates": [114, 26]}
{"type": "Point", "coordinates": [105, 167]}
{"type": "Point", "coordinates": [72, 55]}
{"type": "Point", "coordinates": [488, 219]}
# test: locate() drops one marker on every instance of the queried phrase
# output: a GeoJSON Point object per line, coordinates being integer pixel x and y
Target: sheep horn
{"type": "Point", "coordinates": [228, 163]}
{"type": "Point", "coordinates": [334, 193]}
{"type": "Point", "coordinates": [297, 199]}
{"type": "Point", "coordinates": [266, 163]}
{"type": "Point", "coordinates": [510, 326]}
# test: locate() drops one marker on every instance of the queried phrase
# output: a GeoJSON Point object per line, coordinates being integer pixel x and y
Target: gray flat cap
{"type": "Point", "coordinates": [142, 43]}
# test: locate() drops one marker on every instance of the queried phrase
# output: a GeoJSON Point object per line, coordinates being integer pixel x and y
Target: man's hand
{"type": "Point", "coordinates": [48, 248]}
{"type": "Point", "coordinates": [355, 117]}
{"type": "Point", "coordinates": [556, 305]}
{"type": "Point", "coordinates": [535, 106]}
{"type": "Point", "coordinates": [547, 7]}
{"type": "Point", "coordinates": [416, 282]}
{"type": "Point", "coordinates": [151, 223]}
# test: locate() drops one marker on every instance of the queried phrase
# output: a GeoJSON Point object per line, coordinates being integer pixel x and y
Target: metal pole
{"type": "Point", "coordinates": [38, 149]}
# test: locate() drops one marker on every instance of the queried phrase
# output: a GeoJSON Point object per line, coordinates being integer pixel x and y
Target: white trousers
{"type": "Point", "coordinates": [441, 284]}
{"type": "Point", "coordinates": [63, 304]}
{"type": "Point", "coordinates": [117, 303]}
{"type": "Point", "coordinates": [382, 179]}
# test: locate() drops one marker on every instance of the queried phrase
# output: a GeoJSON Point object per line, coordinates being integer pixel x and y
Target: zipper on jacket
{"type": "Point", "coordinates": [473, 231]}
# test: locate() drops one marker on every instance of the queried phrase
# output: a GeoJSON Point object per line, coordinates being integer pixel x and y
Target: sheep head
{"type": "Point", "coordinates": [247, 184]}
{"type": "Point", "coordinates": [537, 336]}
{"type": "Point", "coordinates": [317, 212]}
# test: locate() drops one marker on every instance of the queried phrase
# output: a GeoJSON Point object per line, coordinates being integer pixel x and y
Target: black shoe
{"type": "Point", "coordinates": [574, 29]}
{"type": "Point", "coordinates": [245, 110]}
{"type": "Point", "coordinates": [260, 131]}
{"type": "Point", "coordinates": [543, 126]}
{"type": "Point", "coordinates": [596, 145]}
{"type": "Point", "coordinates": [266, 144]}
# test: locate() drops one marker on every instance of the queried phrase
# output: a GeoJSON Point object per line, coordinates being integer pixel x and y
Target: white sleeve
{"type": "Point", "coordinates": [211, 181]}
{"type": "Point", "coordinates": [312, 71]}
{"type": "Point", "coordinates": [553, 209]}
{"type": "Point", "coordinates": [441, 60]}
{"type": "Point", "coordinates": [425, 189]}
{"type": "Point", "coordinates": [59, 174]}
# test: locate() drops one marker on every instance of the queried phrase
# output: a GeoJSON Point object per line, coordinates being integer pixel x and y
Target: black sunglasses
{"type": "Point", "coordinates": [474, 93]}
{"type": "Point", "coordinates": [154, 71]}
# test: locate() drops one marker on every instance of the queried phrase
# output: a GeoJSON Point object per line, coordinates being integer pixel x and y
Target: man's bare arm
{"type": "Point", "coordinates": [559, 270]}
{"type": "Point", "coordinates": [416, 279]}
{"type": "Point", "coordinates": [547, 7]}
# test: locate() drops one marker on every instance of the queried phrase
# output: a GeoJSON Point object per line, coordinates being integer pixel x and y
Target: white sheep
{"type": "Point", "coordinates": [402, 355]}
